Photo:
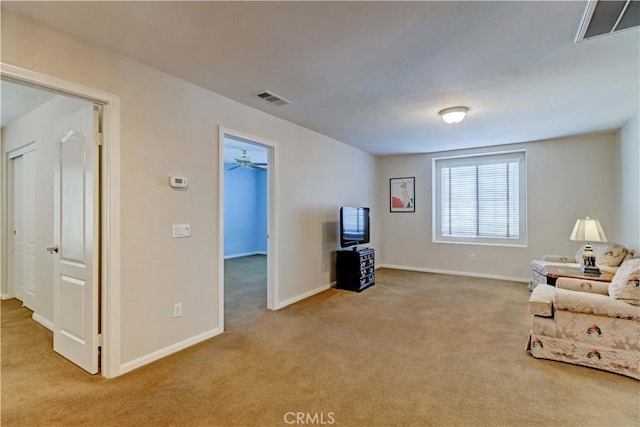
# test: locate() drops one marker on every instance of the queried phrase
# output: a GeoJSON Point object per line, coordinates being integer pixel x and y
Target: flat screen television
{"type": "Point", "coordinates": [354, 226]}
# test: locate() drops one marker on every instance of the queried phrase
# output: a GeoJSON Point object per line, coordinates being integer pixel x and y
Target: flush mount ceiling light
{"type": "Point", "coordinates": [453, 114]}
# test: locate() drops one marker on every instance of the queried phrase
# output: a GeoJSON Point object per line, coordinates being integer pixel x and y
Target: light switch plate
{"type": "Point", "coordinates": [181, 230]}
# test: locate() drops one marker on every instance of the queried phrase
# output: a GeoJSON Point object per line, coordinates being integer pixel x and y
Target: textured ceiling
{"type": "Point", "coordinates": [375, 74]}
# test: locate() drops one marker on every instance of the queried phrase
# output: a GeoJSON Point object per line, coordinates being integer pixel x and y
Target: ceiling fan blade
{"type": "Point", "coordinates": [260, 168]}
{"type": "Point", "coordinates": [233, 167]}
{"type": "Point", "coordinates": [261, 164]}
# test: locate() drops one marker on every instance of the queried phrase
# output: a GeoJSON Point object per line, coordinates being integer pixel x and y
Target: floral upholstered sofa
{"type": "Point", "coordinates": [609, 256]}
{"type": "Point", "coordinates": [589, 323]}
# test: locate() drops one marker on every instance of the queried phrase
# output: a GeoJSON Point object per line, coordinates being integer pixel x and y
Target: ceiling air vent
{"type": "Point", "coordinates": [273, 98]}
{"type": "Point", "coordinates": [607, 17]}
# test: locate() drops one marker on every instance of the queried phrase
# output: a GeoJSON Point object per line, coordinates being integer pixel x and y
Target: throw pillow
{"type": "Point", "coordinates": [607, 254]}
{"type": "Point", "coordinates": [630, 254]}
{"type": "Point", "coordinates": [626, 282]}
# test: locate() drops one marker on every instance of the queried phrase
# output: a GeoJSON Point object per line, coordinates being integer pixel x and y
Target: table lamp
{"type": "Point", "coordinates": [588, 230]}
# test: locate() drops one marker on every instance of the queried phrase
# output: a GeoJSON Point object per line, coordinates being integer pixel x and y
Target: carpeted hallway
{"type": "Point", "coordinates": [416, 349]}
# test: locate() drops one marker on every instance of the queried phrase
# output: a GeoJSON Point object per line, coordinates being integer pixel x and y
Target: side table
{"type": "Point", "coordinates": [553, 272]}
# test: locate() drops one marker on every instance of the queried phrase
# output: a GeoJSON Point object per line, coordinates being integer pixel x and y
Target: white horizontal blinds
{"type": "Point", "coordinates": [481, 199]}
{"type": "Point", "coordinates": [445, 201]}
{"type": "Point", "coordinates": [513, 201]}
{"type": "Point", "coordinates": [461, 202]}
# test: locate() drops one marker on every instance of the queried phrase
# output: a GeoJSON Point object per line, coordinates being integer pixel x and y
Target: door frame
{"type": "Point", "coordinates": [272, 215]}
{"type": "Point", "coordinates": [110, 205]}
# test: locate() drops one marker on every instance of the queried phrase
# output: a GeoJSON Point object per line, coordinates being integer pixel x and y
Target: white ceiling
{"type": "Point", "coordinates": [233, 148]}
{"type": "Point", "coordinates": [17, 100]}
{"type": "Point", "coordinates": [375, 74]}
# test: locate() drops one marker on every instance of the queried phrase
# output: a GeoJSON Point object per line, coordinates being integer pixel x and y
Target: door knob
{"type": "Point", "coordinates": [53, 249]}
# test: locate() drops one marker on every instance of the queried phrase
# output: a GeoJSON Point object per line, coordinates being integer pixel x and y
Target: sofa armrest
{"type": "Point", "coordinates": [597, 304]}
{"type": "Point", "coordinates": [583, 285]}
{"type": "Point", "coordinates": [541, 300]}
{"type": "Point", "coordinates": [559, 258]}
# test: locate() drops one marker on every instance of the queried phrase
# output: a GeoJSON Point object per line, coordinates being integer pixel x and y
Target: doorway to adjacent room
{"type": "Point", "coordinates": [59, 142]}
{"type": "Point", "coordinates": [247, 186]}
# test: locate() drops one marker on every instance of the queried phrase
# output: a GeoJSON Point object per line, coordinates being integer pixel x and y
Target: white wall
{"type": "Point", "coordinates": [628, 184]}
{"type": "Point", "coordinates": [39, 126]}
{"type": "Point", "coordinates": [170, 127]}
{"type": "Point", "coordinates": [567, 178]}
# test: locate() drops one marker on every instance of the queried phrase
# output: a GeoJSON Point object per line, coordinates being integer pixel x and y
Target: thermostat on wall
{"type": "Point", "coordinates": [178, 182]}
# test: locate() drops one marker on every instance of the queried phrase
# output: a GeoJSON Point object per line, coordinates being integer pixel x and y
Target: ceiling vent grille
{"type": "Point", "coordinates": [607, 17]}
{"type": "Point", "coordinates": [273, 98]}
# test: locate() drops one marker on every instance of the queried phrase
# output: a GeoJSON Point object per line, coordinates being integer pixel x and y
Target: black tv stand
{"type": "Point", "coordinates": [355, 269]}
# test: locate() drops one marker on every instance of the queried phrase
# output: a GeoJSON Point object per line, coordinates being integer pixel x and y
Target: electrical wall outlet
{"type": "Point", "coordinates": [473, 257]}
{"type": "Point", "coordinates": [177, 309]}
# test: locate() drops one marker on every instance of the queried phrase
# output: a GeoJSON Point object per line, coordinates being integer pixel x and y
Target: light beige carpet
{"type": "Point", "coordinates": [416, 349]}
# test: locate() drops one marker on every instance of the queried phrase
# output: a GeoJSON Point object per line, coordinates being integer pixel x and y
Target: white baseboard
{"type": "Point", "coordinates": [244, 254]}
{"type": "Point", "coordinates": [5, 296]}
{"type": "Point", "coordinates": [303, 296]}
{"type": "Point", "coordinates": [156, 355]}
{"type": "Point", "coordinates": [455, 273]}
{"type": "Point", "coordinates": [44, 322]}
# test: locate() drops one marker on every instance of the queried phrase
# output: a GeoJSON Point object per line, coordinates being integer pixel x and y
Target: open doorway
{"type": "Point", "coordinates": [51, 130]}
{"type": "Point", "coordinates": [246, 172]}
{"type": "Point", "coordinates": [53, 214]}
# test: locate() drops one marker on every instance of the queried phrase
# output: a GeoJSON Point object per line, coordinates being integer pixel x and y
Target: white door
{"type": "Point", "coordinates": [18, 232]}
{"type": "Point", "coordinates": [76, 236]}
{"type": "Point", "coordinates": [24, 226]}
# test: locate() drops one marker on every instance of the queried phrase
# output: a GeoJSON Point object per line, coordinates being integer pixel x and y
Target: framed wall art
{"type": "Point", "coordinates": [402, 194]}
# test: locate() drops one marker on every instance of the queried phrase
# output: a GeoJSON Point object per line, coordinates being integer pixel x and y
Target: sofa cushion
{"type": "Point", "coordinates": [541, 300]}
{"type": "Point", "coordinates": [583, 285]}
{"type": "Point", "coordinates": [625, 285]}
{"type": "Point", "coordinates": [561, 259]}
{"type": "Point", "coordinates": [607, 254]}
{"type": "Point", "coordinates": [597, 304]}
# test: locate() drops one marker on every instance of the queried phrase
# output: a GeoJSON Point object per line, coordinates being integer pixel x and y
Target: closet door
{"type": "Point", "coordinates": [24, 227]}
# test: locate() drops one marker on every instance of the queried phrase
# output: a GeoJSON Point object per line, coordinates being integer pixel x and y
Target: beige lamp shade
{"type": "Point", "coordinates": [588, 230]}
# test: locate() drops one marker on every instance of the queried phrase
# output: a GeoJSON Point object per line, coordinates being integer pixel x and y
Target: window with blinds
{"type": "Point", "coordinates": [480, 199]}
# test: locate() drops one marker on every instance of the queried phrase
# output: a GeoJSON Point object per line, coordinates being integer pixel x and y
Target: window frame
{"type": "Point", "coordinates": [476, 159]}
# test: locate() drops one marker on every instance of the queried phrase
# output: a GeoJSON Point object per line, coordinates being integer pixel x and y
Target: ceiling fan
{"type": "Point", "coordinates": [245, 162]}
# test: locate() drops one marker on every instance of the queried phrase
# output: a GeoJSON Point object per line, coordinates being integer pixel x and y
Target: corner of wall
{"type": "Point", "coordinates": [628, 184]}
